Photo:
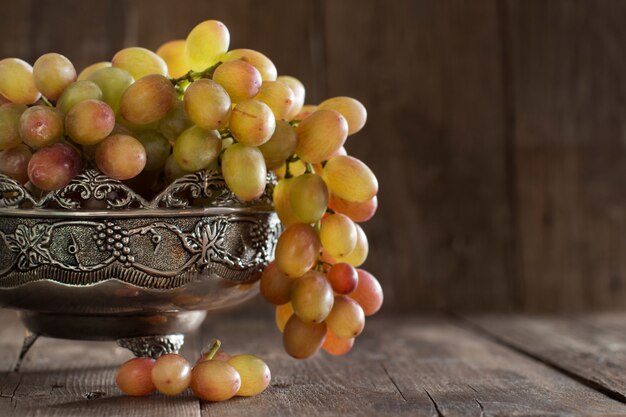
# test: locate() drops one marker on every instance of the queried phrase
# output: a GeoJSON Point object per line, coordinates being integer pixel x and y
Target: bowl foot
{"type": "Point", "coordinates": [153, 346]}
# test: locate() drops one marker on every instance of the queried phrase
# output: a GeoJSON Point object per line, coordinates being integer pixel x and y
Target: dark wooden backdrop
{"type": "Point", "coordinates": [497, 128]}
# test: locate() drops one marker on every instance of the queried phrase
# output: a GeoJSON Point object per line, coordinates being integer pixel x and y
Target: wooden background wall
{"type": "Point", "coordinates": [497, 128]}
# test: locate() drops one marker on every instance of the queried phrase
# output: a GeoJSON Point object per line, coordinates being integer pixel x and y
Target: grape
{"type": "Point", "coordinates": [215, 380]}
{"type": "Point", "coordinates": [173, 124]}
{"type": "Point", "coordinates": [220, 355]}
{"type": "Point", "coordinates": [262, 63]}
{"type": "Point", "coordinates": [173, 53]}
{"type": "Point", "coordinates": [205, 44]}
{"type": "Point", "coordinates": [308, 198]}
{"type": "Point", "coordinates": [41, 126]}
{"type": "Point", "coordinates": [87, 71]}
{"type": "Point", "coordinates": [280, 146]}
{"type": "Point", "coordinates": [278, 96]}
{"type": "Point", "coordinates": [78, 92]}
{"type": "Point", "coordinates": [3, 100]}
{"type": "Point", "coordinates": [112, 82]}
{"type": "Point", "coordinates": [89, 122]}
{"type": "Point", "coordinates": [306, 111]}
{"type": "Point", "coordinates": [282, 206]}
{"type": "Point", "coordinates": [10, 125]}
{"type": "Point", "coordinates": [312, 297]}
{"type": "Point", "coordinates": [346, 319]}
{"type": "Point", "coordinates": [207, 104]}
{"type": "Point", "coordinates": [171, 374]}
{"type": "Point", "coordinates": [368, 293]}
{"type": "Point", "coordinates": [336, 345]}
{"type": "Point", "coordinates": [244, 171]}
{"type": "Point", "coordinates": [358, 212]}
{"type": "Point", "coordinates": [134, 377]}
{"type": "Point", "coordinates": [338, 235]}
{"type": "Point", "coordinates": [240, 79]}
{"type": "Point", "coordinates": [252, 122]}
{"type": "Point", "coordinates": [14, 162]}
{"type": "Point", "coordinates": [139, 62]}
{"type": "Point", "coordinates": [172, 170]}
{"type": "Point", "coordinates": [299, 94]}
{"type": "Point", "coordinates": [359, 254]}
{"type": "Point", "coordinates": [148, 100]}
{"type": "Point", "coordinates": [350, 179]}
{"type": "Point", "coordinates": [255, 374]}
{"type": "Point", "coordinates": [343, 278]}
{"type": "Point", "coordinates": [282, 315]}
{"type": "Point", "coordinates": [196, 148]}
{"type": "Point", "coordinates": [297, 250]}
{"type": "Point", "coordinates": [52, 74]}
{"type": "Point", "coordinates": [275, 287]}
{"type": "Point", "coordinates": [53, 167]}
{"type": "Point", "coordinates": [17, 83]}
{"type": "Point", "coordinates": [302, 340]}
{"type": "Point", "coordinates": [157, 147]}
{"type": "Point", "coordinates": [354, 112]}
{"type": "Point", "coordinates": [320, 135]}
{"type": "Point", "coordinates": [296, 168]}
{"type": "Point", "coordinates": [121, 157]}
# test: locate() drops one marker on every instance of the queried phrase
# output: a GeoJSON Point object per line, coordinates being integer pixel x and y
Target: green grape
{"type": "Point", "coordinates": [77, 92]}
{"type": "Point", "coordinates": [135, 377]}
{"type": "Point", "coordinates": [255, 374]}
{"type": "Point", "coordinates": [282, 206]}
{"type": "Point", "coordinates": [121, 157]}
{"type": "Point", "coordinates": [14, 162]}
{"type": "Point", "coordinates": [278, 96]}
{"type": "Point", "coordinates": [343, 278]}
{"type": "Point", "coordinates": [157, 147]}
{"type": "Point", "coordinates": [172, 170]}
{"type": "Point", "coordinates": [53, 167]}
{"type": "Point", "coordinates": [148, 100]}
{"type": "Point", "coordinates": [244, 171]}
{"type": "Point", "coordinates": [301, 339]}
{"type": "Point", "coordinates": [87, 71]}
{"type": "Point", "coordinates": [308, 198]}
{"type": "Point", "coordinates": [280, 146]}
{"type": "Point", "coordinates": [338, 235]}
{"type": "Point", "coordinates": [321, 135]}
{"type": "Point", "coordinates": [297, 250]}
{"type": "Point", "coordinates": [10, 125]}
{"type": "Point", "coordinates": [252, 122]}
{"type": "Point", "coordinates": [53, 73]}
{"type": "Point", "coordinates": [17, 83]}
{"type": "Point", "coordinates": [296, 168]}
{"type": "Point", "coordinates": [173, 53]}
{"type": "Point", "coordinates": [358, 212]}
{"type": "Point", "coordinates": [312, 297]}
{"type": "Point", "coordinates": [139, 62]}
{"type": "Point", "coordinates": [171, 374]}
{"type": "Point", "coordinates": [282, 315]}
{"type": "Point", "coordinates": [205, 44]}
{"type": "Point", "coordinates": [361, 249]}
{"type": "Point", "coordinates": [299, 94]}
{"type": "Point", "coordinates": [352, 109]}
{"type": "Point", "coordinates": [112, 82]}
{"type": "Point", "coordinates": [368, 293]}
{"type": "Point", "coordinates": [173, 124]}
{"type": "Point", "coordinates": [346, 319]}
{"type": "Point", "coordinates": [336, 345]}
{"type": "Point", "coordinates": [350, 179]}
{"type": "Point", "coordinates": [215, 380]}
{"type": "Point", "coordinates": [89, 122]}
{"type": "Point", "coordinates": [196, 148]}
{"type": "Point", "coordinates": [275, 286]}
{"type": "Point", "coordinates": [262, 63]}
{"type": "Point", "coordinates": [207, 104]}
{"type": "Point", "coordinates": [240, 80]}
{"type": "Point", "coordinates": [41, 126]}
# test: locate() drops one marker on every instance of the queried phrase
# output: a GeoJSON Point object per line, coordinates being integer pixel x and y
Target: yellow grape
{"type": "Point", "coordinates": [275, 286]}
{"type": "Point", "coordinates": [282, 206]}
{"type": "Point", "coordinates": [299, 93]}
{"type": "Point", "coordinates": [346, 319]}
{"type": "Point", "coordinates": [312, 297]}
{"type": "Point", "coordinates": [350, 179]}
{"type": "Point", "coordinates": [17, 83]}
{"type": "Point", "coordinates": [207, 104]}
{"type": "Point", "coordinates": [3, 100]}
{"type": "Point", "coordinates": [41, 126]}
{"type": "Point", "coordinates": [112, 82]}
{"type": "Point", "coordinates": [134, 377]}
{"type": "Point", "coordinates": [139, 62]}
{"type": "Point", "coordinates": [297, 250]}
{"type": "Point", "coordinates": [10, 125]}
{"type": "Point", "coordinates": [308, 198]}
{"type": "Point", "coordinates": [89, 122]}
{"type": "Point", "coordinates": [148, 100]}
{"type": "Point", "coordinates": [53, 73]}
{"type": "Point", "coordinates": [77, 92]}
{"type": "Point", "coordinates": [278, 96]}
{"type": "Point", "coordinates": [173, 53]}
{"type": "Point", "coordinates": [262, 63]}
{"type": "Point", "coordinates": [306, 111]}
{"type": "Point", "coordinates": [360, 252]}
{"type": "Point", "coordinates": [352, 109]}
{"type": "Point", "coordinates": [171, 374]}
{"type": "Point", "coordinates": [282, 315]}
{"type": "Point", "coordinates": [255, 374]}
{"type": "Point", "coordinates": [302, 340]}
{"type": "Point", "coordinates": [321, 135]}
{"type": "Point", "coordinates": [252, 122]}
{"type": "Point", "coordinates": [338, 235]}
{"type": "Point", "coordinates": [368, 293]}
{"type": "Point", "coordinates": [280, 146]}
{"type": "Point", "coordinates": [196, 148]}
{"type": "Point", "coordinates": [121, 157]}
{"type": "Point", "coordinates": [336, 345]}
{"type": "Point", "coordinates": [205, 44]}
{"type": "Point", "coordinates": [359, 212]}
{"type": "Point", "coordinates": [296, 168]}
{"type": "Point", "coordinates": [215, 380]}
{"type": "Point", "coordinates": [240, 80]}
{"type": "Point", "coordinates": [87, 71]}
{"type": "Point", "coordinates": [244, 171]}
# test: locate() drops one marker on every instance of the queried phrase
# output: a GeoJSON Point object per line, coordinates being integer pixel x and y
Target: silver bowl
{"type": "Point", "coordinates": [96, 261]}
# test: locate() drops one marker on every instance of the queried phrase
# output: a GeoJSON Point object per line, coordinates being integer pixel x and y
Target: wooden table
{"type": "Point", "coordinates": [412, 365]}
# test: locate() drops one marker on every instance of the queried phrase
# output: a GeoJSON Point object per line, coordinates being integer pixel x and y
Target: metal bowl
{"type": "Point", "coordinates": [96, 261]}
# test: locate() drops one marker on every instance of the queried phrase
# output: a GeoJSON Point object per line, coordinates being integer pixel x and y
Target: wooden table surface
{"type": "Point", "coordinates": [410, 365]}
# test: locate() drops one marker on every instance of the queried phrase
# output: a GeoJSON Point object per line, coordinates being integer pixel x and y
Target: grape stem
{"type": "Point", "coordinates": [290, 160]}
{"type": "Point", "coordinates": [213, 348]}
{"type": "Point", "coordinates": [192, 76]}
{"type": "Point", "coordinates": [46, 101]}
{"type": "Point", "coordinates": [309, 168]}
